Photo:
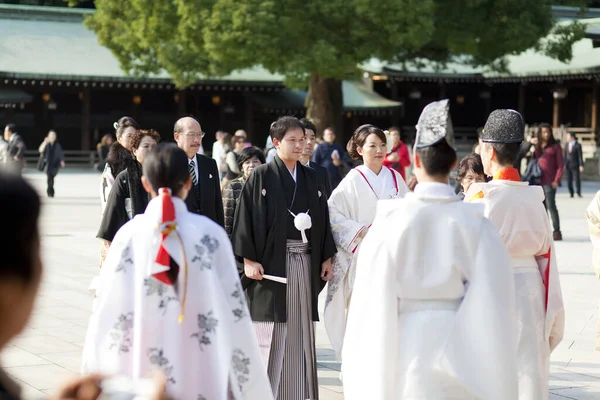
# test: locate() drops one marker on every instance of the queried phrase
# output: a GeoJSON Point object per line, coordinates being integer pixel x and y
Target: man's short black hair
{"type": "Point", "coordinates": [506, 153]}
{"type": "Point", "coordinates": [284, 124]}
{"type": "Point", "coordinates": [437, 160]}
{"type": "Point", "coordinates": [12, 127]}
{"type": "Point", "coordinates": [308, 124]}
{"type": "Point", "coordinates": [166, 166]}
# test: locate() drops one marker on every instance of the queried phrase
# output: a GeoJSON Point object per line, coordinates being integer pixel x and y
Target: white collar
{"type": "Point", "coordinates": [293, 174]}
{"type": "Point", "coordinates": [434, 189]}
{"type": "Point", "coordinates": [154, 209]}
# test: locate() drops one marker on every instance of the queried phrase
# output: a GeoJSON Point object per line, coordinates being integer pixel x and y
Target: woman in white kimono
{"type": "Point", "coordinates": [593, 217]}
{"type": "Point", "coordinates": [351, 211]}
{"type": "Point", "coordinates": [170, 298]}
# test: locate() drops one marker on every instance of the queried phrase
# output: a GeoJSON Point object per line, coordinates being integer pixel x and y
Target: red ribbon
{"type": "Point", "coordinates": [167, 225]}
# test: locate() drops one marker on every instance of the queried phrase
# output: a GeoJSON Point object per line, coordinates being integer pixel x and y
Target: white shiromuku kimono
{"type": "Point", "coordinates": [197, 331]}
{"type": "Point", "coordinates": [432, 313]}
{"type": "Point", "coordinates": [107, 180]}
{"type": "Point", "coordinates": [351, 211]}
{"type": "Point", "coordinates": [518, 212]}
{"type": "Point", "coordinates": [593, 217]}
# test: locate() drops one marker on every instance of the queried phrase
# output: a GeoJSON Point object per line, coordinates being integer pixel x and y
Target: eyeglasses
{"type": "Point", "coordinates": [193, 135]}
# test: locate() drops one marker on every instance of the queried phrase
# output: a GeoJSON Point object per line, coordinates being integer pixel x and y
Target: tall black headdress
{"type": "Point", "coordinates": [434, 125]}
{"type": "Point", "coordinates": [504, 126]}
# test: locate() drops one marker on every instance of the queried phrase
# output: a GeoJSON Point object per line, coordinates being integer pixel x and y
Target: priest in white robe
{"type": "Point", "coordinates": [518, 212]}
{"type": "Point", "coordinates": [351, 212]}
{"type": "Point", "coordinates": [432, 313]}
{"type": "Point", "coordinates": [169, 298]}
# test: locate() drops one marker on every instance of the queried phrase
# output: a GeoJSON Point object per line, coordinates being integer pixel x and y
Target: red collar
{"type": "Point", "coordinates": [507, 174]}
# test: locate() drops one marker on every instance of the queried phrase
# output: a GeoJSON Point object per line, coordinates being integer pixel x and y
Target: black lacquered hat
{"type": "Point", "coordinates": [504, 126]}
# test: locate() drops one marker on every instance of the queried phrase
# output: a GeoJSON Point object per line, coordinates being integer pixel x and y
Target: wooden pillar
{"type": "Point", "coordinates": [181, 103]}
{"type": "Point", "coordinates": [442, 91]}
{"type": "Point", "coordinates": [395, 97]}
{"type": "Point", "coordinates": [594, 123]}
{"type": "Point", "coordinates": [555, 112]}
{"type": "Point", "coordinates": [249, 123]}
{"type": "Point", "coordinates": [86, 119]}
{"type": "Point", "coordinates": [522, 100]}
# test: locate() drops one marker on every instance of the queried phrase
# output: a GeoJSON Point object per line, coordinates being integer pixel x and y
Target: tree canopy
{"type": "Point", "coordinates": [308, 40]}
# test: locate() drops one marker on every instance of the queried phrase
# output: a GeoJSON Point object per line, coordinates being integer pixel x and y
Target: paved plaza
{"type": "Point", "coordinates": [50, 348]}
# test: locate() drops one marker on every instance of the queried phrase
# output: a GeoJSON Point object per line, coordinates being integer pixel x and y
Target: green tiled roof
{"type": "Point", "coordinates": [52, 42]}
{"type": "Point", "coordinates": [586, 59]}
{"type": "Point", "coordinates": [355, 94]}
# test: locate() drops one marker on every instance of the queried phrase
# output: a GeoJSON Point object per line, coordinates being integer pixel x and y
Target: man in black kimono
{"type": "Point", "coordinates": [205, 196]}
{"type": "Point", "coordinates": [310, 137]}
{"type": "Point", "coordinates": [281, 229]}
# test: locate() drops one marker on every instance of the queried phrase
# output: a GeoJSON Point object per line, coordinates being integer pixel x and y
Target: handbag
{"type": "Point", "coordinates": [533, 172]}
{"type": "Point", "coordinates": [41, 164]}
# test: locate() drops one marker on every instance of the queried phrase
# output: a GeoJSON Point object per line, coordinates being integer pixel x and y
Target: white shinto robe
{"type": "Point", "coordinates": [432, 314]}
{"type": "Point", "coordinates": [213, 353]}
{"type": "Point", "coordinates": [519, 214]}
{"type": "Point", "coordinates": [351, 211]}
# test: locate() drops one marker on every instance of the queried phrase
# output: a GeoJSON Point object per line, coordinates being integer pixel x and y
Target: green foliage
{"type": "Point", "coordinates": [191, 39]}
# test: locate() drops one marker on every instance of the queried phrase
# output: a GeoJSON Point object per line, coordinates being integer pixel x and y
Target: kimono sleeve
{"type": "Point", "coordinates": [242, 235]}
{"type": "Point", "coordinates": [344, 228]}
{"type": "Point", "coordinates": [370, 342]}
{"type": "Point", "coordinates": [247, 375]}
{"type": "Point", "coordinates": [108, 345]}
{"type": "Point", "coordinates": [484, 327]}
{"type": "Point", "coordinates": [592, 214]}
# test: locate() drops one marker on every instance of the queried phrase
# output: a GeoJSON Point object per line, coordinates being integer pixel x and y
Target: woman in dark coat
{"type": "Point", "coordinates": [127, 197]}
{"type": "Point", "coordinates": [52, 158]}
{"type": "Point", "coordinates": [249, 158]}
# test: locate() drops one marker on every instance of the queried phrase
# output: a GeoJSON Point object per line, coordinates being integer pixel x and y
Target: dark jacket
{"type": "Point", "coordinates": [53, 155]}
{"type": "Point", "coordinates": [323, 177]}
{"type": "Point", "coordinates": [205, 197]}
{"type": "Point", "coordinates": [573, 158]}
{"type": "Point", "coordinates": [231, 197]}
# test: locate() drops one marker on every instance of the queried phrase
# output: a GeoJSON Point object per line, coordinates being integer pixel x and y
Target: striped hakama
{"type": "Point", "coordinates": [288, 348]}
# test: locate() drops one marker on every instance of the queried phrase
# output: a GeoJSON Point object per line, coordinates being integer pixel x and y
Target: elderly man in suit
{"type": "Point", "coordinates": [310, 135]}
{"type": "Point", "coordinates": [205, 196]}
{"type": "Point", "coordinates": [573, 163]}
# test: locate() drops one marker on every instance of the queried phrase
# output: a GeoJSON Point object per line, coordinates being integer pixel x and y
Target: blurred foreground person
{"type": "Point", "coordinates": [434, 287]}
{"type": "Point", "coordinates": [169, 297]}
{"type": "Point", "coordinates": [20, 276]}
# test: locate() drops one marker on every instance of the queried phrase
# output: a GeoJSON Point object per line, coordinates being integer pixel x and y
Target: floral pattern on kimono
{"type": "Point", "coordinates": [157, 358]}
{"type": "Point", "coordinates": [205, 252]}
{"type": "Point", "coordinates": [154, 286]}
{"type": "Point", "coordinates": [121, 335]}
{"type": "Point", "coordinates": [241, 367]}
{"type": "Point", "coordinates": [207, 325]}
{"type": "Point", "coordinates": [238, 296]}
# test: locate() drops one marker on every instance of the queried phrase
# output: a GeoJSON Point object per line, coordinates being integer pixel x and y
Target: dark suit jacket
{"type": "Point", "coordinates": [205, 197]}
{"type": "Point", "coordinates": [323, 177]}
{"type": "Point", "coordinates": [16, 148]}
{"type": "Point", "coordinates": [574, 159]}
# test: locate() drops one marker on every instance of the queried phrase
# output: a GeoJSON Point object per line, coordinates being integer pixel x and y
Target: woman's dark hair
{"type": "Point", "coordinates": [551, 139]}
{"type": "Point", "coordinates": [437, 160]}
{"type": "Point", "coordinates": [11, 127]}
{"type": "Point", "coordinates": [118, 158]}
{"type": "Point", "coordinates": [308, 124]}
{"type": "Point", "coordinates": [359, 137]}
{"type": "Point", "coordinates": [137, 137]}
{"type": "Point", "coordinates": [20, 236]}
{"type": "Point", "coordinates": [124, 123]}
{"type": "Point", "coordinates": [248, 153]}
{"type": "Point", "coordinates": [284, 124]}
{"type": "Point", "coordinates": [472, 162]}
{"type": "Point", "coordinates": [105, 139]}
{"type": "Point", "coordinates": [166, 166]}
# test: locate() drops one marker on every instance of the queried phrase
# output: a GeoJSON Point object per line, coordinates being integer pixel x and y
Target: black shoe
{"type": "Point", "coordinates": [579, 195]}
{"type": "Point", "coordinates": [571, 195]}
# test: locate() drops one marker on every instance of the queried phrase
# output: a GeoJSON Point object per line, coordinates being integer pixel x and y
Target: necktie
{"type": "Point", "coordinates": [193, 172]}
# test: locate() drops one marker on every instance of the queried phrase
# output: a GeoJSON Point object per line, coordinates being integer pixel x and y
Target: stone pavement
{"type": "Point", "coordinates": [50, 348]}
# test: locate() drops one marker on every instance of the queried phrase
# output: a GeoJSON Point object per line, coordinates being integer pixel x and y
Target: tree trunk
{"type": "Point", "coordinates": [324, 104]}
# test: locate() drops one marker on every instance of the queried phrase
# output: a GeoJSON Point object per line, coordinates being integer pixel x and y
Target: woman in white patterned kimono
{"type": "Point", "coordinates": [171, 299]}
{"type": "Point", "coordinates": [351, 212]}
